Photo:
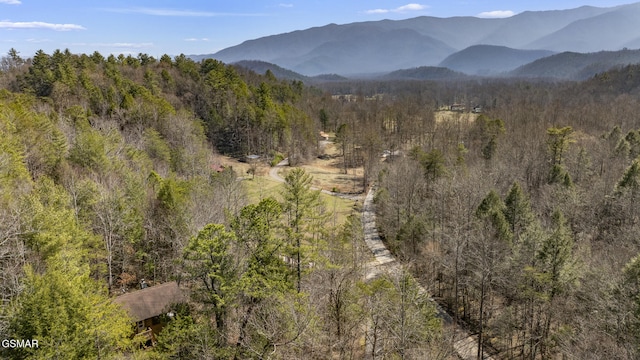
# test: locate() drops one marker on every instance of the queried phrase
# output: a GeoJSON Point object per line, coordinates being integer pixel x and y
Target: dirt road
{"type": "Point", "coordinates": [465, 345]}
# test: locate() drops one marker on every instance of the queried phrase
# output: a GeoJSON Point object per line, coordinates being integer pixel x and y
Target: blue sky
{"type": "Point", "coordinates": [159, 27]}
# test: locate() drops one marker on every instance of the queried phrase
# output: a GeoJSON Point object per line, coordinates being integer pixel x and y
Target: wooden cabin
{"type": "Point", "coordinates": [147, 307]}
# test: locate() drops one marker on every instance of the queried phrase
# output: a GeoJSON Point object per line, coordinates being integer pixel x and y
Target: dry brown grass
{"type": "Point", "coordinates": [453, 116]}
{"type": "Point", "coordinates": [242, 168]}
{"type": "Point", "coordinates": [327, 175]}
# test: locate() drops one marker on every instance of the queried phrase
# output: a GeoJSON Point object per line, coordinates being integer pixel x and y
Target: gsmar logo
{"type": "Point", "coordinates": [19, 343]}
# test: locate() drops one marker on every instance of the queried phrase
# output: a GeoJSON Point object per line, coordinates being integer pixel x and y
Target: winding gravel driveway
{"type": "Point", "coordinates": [465, 344]}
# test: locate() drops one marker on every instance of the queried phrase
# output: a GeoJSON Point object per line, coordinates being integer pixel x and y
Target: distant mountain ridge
{"type": "Point", "coordinates": [563, 66]}
{"type": "Point", "coordinates": [576, 66]}
{"type": "Point", "coordinates": [425, 73]}
{"type": "Point", "coordinates": [488, 60]}
{"type": "Point", "coordinates": [387, 45]}
{"type": "Point", "coordinates": [261, 67]}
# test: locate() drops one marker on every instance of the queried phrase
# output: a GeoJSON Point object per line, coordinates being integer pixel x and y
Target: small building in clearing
{"type": "Point", "coordinates": [457, 107]}
{"type": "Point", "coordinates": [147, 307]}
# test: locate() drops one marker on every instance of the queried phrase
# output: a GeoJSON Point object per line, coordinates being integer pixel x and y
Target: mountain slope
{"type": "Point", "coordinates": [368, 51]}
{"type": "Point", "coordinates": [491, 59]}
{"type": "Point", "coordinates": [425, 73]}
{"type": "Point", "coordinates": [608, 31]}
{"type": "Point", "coordinates": [577, 66]}
{"type": "Point", "coordinates": [344, 49]}
{"type": "Point", "coordinates": [529, 26]}
{"type": "Point", "coordinates": [261, 67]}
{"type": "Point", "coordinates": [387, 45]}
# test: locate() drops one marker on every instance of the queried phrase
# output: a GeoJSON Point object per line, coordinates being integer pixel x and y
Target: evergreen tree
{"type": "Point", "coordinates": [489, 131]}
{"type": "Point", "coordinates": [492, 209]}
{"type": "Point", "coordinates": [68, 314]}
{"type": "Point", "coordinates": [556, 256]}
{"type": "Point", "coordinates": [303, 209]}
{"type": "Point", "coordinates": [517, 210]}
{"type": "Point", "coordinates": [324, 119]}
{"type": "Point", "coordinates": [209, 262]}
{"type": "Point", "coordinates": [263, 273]}
{"type": "Point", "coordinates": [557, 271]}
{"type": "Point", "coordinates": [558, 141]}
{"type": "Point", "coordinates": [630, 179]}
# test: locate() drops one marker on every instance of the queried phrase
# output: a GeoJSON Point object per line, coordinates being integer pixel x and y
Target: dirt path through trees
{"type": "Point", "coordinates": [465, 345]}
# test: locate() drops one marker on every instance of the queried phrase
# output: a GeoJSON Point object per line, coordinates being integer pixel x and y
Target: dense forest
{"type": "Point", "coordinates": [110, 174]}
{"type": "Point", "coordinates": [521, 220]}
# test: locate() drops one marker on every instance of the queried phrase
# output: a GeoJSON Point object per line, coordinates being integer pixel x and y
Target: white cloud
{"type": "Point", "coordinates": [401, 9]}
{"type": "Point", "coordinates": [496, 14]}
{"type": "Point", "coordinates": [196, 39]}
{"type": "Point", "coordinates": [175, 12]}
{"type": "Point", "coordinates": [39, 25]}
{"type": "Point", "coordinates": [37, 41]}
{"type": "Point", "coordinates": [11, 2]}
{"type": "Point", "coordinates": [172, 12]}
{"type": "Point", "coordinates": [411, 7]}
{"type": "Point", "coordinates": [126, 45]}
{"type": "Point", "coordinates": [377, 11]}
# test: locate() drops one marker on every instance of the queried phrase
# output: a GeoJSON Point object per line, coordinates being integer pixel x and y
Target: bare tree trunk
{"type": "Point", "coordinates": [481, 318]}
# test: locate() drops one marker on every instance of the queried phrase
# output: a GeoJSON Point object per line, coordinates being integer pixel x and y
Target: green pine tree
{"type": "Point", "coordinates": [304, 211]}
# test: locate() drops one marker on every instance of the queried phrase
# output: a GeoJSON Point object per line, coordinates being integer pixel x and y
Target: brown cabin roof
{"type": "Point", "coordinates": [152, 301]}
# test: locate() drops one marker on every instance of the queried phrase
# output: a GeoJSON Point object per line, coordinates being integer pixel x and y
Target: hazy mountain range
{"type": "Point", "coordinates": [471, 45]}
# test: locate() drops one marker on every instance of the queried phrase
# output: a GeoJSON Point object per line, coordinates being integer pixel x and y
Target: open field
{"type": "Point", "coordinates": [453, 116]}
{"type": "Point", "coordinates": [326, 176]}
{"type": "Point", "coordinates": [328, 173]}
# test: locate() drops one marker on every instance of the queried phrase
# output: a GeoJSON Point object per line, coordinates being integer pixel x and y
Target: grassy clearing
{"type": "Point", "coordinates": [455, 116]}
{"type": "Point", "coordinates": [327, 175]}
{"type": "Point", "coordinates": [262, 187]}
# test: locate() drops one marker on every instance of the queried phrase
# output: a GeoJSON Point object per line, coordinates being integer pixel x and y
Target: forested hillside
{"type": "Point", "coordinates": [110, 174]}
{"type": "Point", "coordinates": [522, 220]}
{"type": "Point", "coordinates": [131, 140]}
